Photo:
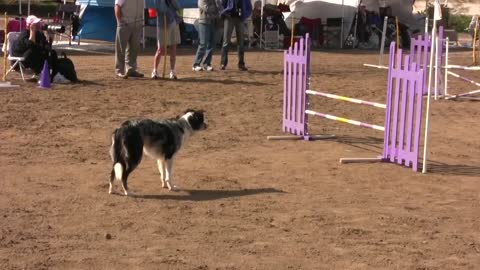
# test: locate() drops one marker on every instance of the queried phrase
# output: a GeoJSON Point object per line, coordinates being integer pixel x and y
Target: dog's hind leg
{"type": "Point", "coordinates": [124, 185]}
{"type": "Point", "coordinates": [161, 169]}
{"type": "Point", "coordinates": [112, 177]}
{"type": "Point", "coordinates": [169, 175]}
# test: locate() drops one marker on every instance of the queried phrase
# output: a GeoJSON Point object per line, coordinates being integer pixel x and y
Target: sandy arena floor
{"type": "Point", "coordinates": [246, 203]}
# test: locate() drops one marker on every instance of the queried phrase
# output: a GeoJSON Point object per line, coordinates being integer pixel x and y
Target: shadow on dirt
{"type": "Point", "coordinates": [208, 194]}
{"type": "Point", "coordinates": [226, 82]}
{"type": "Point", "coordinates": [453, 169]}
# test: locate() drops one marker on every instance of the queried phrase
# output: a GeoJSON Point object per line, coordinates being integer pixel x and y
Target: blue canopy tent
{"type": "Point", "coordinates": [98, 18]}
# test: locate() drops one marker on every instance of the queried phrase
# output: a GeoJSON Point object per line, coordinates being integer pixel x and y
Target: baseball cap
{"type": "Point", "coordinates": [32, 19]}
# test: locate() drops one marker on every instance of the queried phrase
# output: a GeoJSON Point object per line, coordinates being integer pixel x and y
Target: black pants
{"type": "Point", "coordinates": [35, 59]}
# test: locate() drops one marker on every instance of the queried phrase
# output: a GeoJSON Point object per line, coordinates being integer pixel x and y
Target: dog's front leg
{"type": "Point", "coordinates": [169, 175]}
{"type": "Point", "coordinates": [161, 169]}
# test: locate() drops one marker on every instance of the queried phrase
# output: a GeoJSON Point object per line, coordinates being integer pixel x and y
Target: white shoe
{"type": "Point", "coordinates": [197, 68]}
{"type": "Point", "coordinates": [154, 75]}
{"type": "Point", "coordinates": [208, 68]}
{"type": "Point", "coordinates": [173, 75]}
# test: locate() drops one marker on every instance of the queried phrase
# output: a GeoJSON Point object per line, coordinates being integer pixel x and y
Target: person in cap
{"type": "Point", "coordinates": [32, 45]}
{"type": "Point", "coordinates": [234, 14]}
{"type": "Point", "coordinates": [129, 15]}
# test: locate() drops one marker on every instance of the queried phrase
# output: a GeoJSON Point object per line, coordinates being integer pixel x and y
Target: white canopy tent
{"type": "Point", "coordinates": [347, 9]}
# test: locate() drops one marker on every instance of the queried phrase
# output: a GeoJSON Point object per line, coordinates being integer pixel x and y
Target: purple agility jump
{"type": "Point", "coordinates": [403, 107]}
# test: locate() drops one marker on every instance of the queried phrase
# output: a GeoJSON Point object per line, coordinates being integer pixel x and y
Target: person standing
{"type": "Point", "coordinates": [234, 14]}
{"type": "Point", "coordinates": [207, 29]}
{"type": "Point", "coordinates": [471, 28]}
{"type": "Point", "coordinates": [167, 12]}
{"type": "Point", "coordinates": [129, 15]}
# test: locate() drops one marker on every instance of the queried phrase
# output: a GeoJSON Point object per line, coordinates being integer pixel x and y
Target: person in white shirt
{"type": "Point", "coordinates": [129, 15]}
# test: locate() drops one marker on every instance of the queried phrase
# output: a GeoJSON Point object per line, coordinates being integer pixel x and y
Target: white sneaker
{"type": "Point", "coordinates": [173, 75]}
{"type": "Point", "coordinates": [154, 75]}
{"type": "Point", "coordinates": [208, 68]}
{"type": "Point", "coordinates": [197, 68]}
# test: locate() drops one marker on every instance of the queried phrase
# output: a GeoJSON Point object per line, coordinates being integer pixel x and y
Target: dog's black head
{"type": "Point", "coordinates": [195, 119]}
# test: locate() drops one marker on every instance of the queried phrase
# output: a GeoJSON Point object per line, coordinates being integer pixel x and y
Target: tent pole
{"type": "Point", "coordinates": [20, 13]}
{"type": "Point", "coordinates": [426, 25]}
{"type": "Point", "coordinates": [356, 24]}
{"type": "Point", "coordinates": [143, 24]}
{"type": "Point", "coordinates": [63, 10]}
{"type": "Point", "coordinates": [261, 23]}
{"type": "Point", "coordinates": [341, 30]}
{"type": "Point", "coordinates": [382, 43]}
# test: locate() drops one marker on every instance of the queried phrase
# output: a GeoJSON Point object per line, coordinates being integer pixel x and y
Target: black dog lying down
{"type": "Point", "coordinates": [160, 140]}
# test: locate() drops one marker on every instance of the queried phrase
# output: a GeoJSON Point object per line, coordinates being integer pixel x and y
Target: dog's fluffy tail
{"type": "Point", "coordinates": [118, 171]}
{"type": "Point", "coordinates": [116, 154]}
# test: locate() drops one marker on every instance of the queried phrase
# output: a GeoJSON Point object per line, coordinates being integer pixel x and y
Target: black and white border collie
{"type": "Point", "coordinates": [160, 140]}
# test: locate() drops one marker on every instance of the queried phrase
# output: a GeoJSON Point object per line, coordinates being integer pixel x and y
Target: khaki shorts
{"type": "Point", "coordinates": [173, 35]}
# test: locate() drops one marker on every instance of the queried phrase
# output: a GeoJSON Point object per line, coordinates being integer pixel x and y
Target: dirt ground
{"type": "Point", "coordinates": [246, 203]}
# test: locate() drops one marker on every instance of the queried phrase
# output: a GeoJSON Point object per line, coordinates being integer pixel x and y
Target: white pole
{"type": "Point", "coordinates": [445, 93]}
{"type": "Point", "coordinates": [341, 30]}
{"type": "Point", "coordinates": [20, 13]}
{"type": "Point", "coordinates": [28, 8]}
{"type": "Point", "coordinates": [426, 25]}
{"type": "Point", "coordinates": [261, 23]}
{"type": "Point", "coordinates": [427, 118]}
{"type": "Point", "coordinates": [382, 43]}
{"type": "Point", "coordinates": [436, 66]}
{"type": "Point", "coordinates": [63, 10]}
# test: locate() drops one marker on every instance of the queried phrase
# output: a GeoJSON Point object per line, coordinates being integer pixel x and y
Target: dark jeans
{"type": "Point", "coordinates": [228, 24]}
{"type": "Point", "coordinates": [207, 38]}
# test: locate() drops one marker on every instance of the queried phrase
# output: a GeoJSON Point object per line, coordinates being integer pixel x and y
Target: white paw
{"type": "Point", "coordinates": [171, 187]}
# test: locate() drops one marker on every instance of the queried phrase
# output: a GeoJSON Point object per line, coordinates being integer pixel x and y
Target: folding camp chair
{"type": "Point", "coordinates": [14, 60]}
{"type": "Point", "coordinates": [271, 35]}
{"type": "Point", "coordinates": [333, 32]}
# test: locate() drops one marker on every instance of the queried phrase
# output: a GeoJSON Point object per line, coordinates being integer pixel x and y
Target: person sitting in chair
{"type": "Point", "coordinates": [32, 45]}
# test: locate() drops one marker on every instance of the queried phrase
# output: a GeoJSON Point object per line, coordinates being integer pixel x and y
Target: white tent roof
{"type": "Point", "coordinates": [324, 9]}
